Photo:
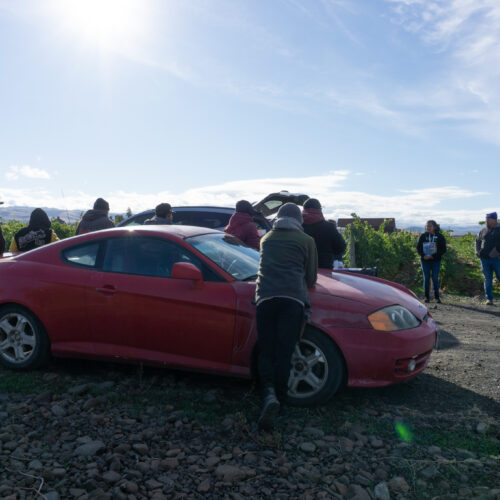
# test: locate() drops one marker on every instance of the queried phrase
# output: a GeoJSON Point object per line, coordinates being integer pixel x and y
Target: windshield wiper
{"type": "Point", "coordinates": [252, 277]}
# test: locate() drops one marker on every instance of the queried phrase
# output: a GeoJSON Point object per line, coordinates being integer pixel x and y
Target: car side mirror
{"type": "Point", "coordinates": [187, 271]}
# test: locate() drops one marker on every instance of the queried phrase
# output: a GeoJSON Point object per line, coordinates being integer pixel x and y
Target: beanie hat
{"type": "Point", "coordinates": [312, 203]}
{"type": "Point", "coordinates": [290, 210]}
{"type": "Point", "coordinates": [101, 204]}
{"type": "Point", "coordinates": [245, 207]}
{"type": "Point", "coordinates": [492, 215]}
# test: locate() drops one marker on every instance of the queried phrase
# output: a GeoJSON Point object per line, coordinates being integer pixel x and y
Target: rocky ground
{"type": "Point", "coordinates": [101, 431]}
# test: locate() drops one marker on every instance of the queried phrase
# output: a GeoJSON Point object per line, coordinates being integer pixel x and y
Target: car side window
{"type": "Point", "coordinates": [212, 220]}
{"type": "Point", "coordinates": [82, 255]}
{"type": "Point", "coordinates": [138, 220]}
{"type": "Point", "coordinates": [149, 256]}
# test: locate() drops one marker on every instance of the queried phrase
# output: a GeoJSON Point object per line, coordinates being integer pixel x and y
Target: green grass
{"type": "Point", "coordinates": [23, 382]}
{"type": "Point", "coordinates": [483, 445]}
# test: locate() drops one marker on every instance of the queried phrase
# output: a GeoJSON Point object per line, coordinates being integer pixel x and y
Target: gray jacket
{"type": "Point", "coordinates": [94, 220]}
{"type": "Point", "coordinates": [488, 242]}
{"type": "Point", "coordinates": [155, 220]}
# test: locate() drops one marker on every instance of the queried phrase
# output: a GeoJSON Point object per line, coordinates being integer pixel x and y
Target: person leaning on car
{"type": "Point", "coordinates": [95, 219]}
{"type": "Point", "coordinates": [488, 250]}
{"type": "Point", "coordinates": [287, 268]}
{"type": "Point", "coordinates": [329, 242]}
{"type": "Point", "coordinates": [163, 215]}
{"type": "Point", "coordinates": [38, 232]}
{"type": "Point", "coordinates": [242, 225]}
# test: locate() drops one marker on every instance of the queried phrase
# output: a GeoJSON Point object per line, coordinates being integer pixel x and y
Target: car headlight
{"type": "Point", "coordinates": [393, 318]}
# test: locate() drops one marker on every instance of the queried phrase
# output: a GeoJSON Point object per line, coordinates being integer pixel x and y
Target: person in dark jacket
{"type": "Point", "coordinates": [488, 250]}
{"type": "Point", "coordinates": [95, 219]}
{"type": "Point", "coordinates": [431, 246]}
{"type": "Point", "coordinates": [242, 226]}
{"type": "Point", "coordinates": [163, 215]}
{"type": "Point", "coordinates": [38, 233]}
{"type": "Point", "coordinates": [2, 241]}
{"type": "Point", "coordinates": [287, 268]}
{"type": "Point", "coordinates": [329, 242]}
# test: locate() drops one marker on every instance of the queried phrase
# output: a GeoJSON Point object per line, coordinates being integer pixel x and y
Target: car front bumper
{"type": "Point", "coordinates": [376, 359]}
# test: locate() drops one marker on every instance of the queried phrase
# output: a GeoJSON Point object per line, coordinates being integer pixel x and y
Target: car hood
{"type": "Point", "coordinates": [372, 293]}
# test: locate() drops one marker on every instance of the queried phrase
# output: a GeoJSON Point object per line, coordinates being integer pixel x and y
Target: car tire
{"type": "Point", "coordinates": [24, 344]}
{"type": "Point", "coordinates": [317, 370]}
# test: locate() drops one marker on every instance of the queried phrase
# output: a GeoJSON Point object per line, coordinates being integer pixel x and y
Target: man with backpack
{"type": "Point", "coordinates": [488, 250]}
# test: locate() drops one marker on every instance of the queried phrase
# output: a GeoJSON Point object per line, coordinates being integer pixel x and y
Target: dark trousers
{"type": "Point", "coordinates": [431, 267]}
{"type": "Point", "coordinates": [279, 322]}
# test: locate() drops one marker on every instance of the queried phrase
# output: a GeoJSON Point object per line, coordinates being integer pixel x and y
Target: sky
{"type": "Point", "coordinates": [384, 108]}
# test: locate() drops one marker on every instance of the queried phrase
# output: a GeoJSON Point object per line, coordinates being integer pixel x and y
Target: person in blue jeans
{"type": "Point", "coordinates": [488, 250]}
{"type": "Point", "coordinates": [431, 246]}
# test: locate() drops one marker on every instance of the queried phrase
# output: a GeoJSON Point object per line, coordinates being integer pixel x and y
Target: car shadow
{"type": "Point", "coordinates": [446, 340]}
{"type": "Point", "coordinates": [426, 393]}
{"type": "Point", "coordinates": [491, 310]}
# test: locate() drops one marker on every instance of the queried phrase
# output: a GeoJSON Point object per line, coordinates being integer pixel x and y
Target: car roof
{"type": "Point", "coordinates": [181, 232]}
{"type": "Point", "coordinates": [187, 208]}
{"type": "Point", "coordinates": [175, 230]}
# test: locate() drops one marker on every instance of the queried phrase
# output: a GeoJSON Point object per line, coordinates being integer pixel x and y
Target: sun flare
{"type": "Point", "coordinates": [108, 24]}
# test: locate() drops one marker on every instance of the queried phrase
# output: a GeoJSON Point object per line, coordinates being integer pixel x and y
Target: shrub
{"type": "Point", "coordinates": [397, 260]}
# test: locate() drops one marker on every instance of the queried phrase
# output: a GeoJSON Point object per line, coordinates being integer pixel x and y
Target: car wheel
{"type": "Point", "coordinates": [23, 341]}
{"type": "Point", "coordinates": [317, 369]}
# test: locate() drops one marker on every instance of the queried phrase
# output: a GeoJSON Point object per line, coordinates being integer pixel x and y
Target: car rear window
{"type": "Point", "coordinates": [212, 220]}
{"type": "Point", "coordinates": [82, 255]}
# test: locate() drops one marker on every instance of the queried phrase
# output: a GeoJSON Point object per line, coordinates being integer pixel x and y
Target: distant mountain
{"type": "Point", "coordinates": [457, 230]}
{"type": "Point", "coordinates": [23, 214]}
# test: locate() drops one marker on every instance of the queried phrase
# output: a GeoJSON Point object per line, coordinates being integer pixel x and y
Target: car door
{"type": "Point", "coordinates": [139, 311]}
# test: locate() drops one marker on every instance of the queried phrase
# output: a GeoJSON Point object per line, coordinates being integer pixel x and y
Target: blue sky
{"type": "Point", "coordinates": [379, 107]}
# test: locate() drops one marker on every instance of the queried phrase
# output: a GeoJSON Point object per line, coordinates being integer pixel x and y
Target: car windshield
{"type": "Point", "coordinates": [229, 253]}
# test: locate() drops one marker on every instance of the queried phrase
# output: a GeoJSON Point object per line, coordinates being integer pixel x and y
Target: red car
{"type": "Point", "coordinates": [182, 297]}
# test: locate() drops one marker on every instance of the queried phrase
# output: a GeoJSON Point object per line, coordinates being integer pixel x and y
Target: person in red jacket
{"type": "Point", "coordinates": [242, 226]}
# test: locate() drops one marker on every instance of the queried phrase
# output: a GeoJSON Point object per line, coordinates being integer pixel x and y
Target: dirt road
{"type": "Point", "coordinates": [88, 430]}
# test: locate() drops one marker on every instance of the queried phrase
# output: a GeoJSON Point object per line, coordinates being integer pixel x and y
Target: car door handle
{"type": "Point", "coordinates": [106, 290]}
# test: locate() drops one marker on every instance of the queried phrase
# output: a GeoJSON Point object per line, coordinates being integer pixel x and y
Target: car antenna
{"type": "Point", "coordinates": [64, 203]}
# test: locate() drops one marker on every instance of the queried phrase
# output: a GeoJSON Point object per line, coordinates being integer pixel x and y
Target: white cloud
{"type": "Point", "coordinates": [408, 207]}
{"type": "Point", "coordinates": [26, 171]}
{"type": "Point", "coordinates": [467, 34]}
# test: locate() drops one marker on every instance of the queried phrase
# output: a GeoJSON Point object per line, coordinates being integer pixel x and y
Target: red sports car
{"type": "Point", "coordinates": [182, 296]}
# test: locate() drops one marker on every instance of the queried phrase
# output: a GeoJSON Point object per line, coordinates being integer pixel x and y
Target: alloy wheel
{"type": "Point", "coordinates": [309, 371]}
{"type": "Point", "coordinates": [17, 338]}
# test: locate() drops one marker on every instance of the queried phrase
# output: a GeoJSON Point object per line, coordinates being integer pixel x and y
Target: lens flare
{"type": "Point", "coordinates": [404, 432]}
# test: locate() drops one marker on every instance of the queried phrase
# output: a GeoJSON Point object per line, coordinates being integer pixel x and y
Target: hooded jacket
{"type": "Point", "coordinates": [94, 220]}
{"type": "Point", "coordinates": [329, 242]}
{"type": "Point", "coordinates": [36, 234]}
{"type": "Point", "coordinates": [2, 241]}
{"type": "Point", "coordinates": [243, 227]}
{"type": "Point", "coordinates": [435, 242]}
{"type": "Point", "coordinates": [288, 262]}
{"type": "Point", "coordinates": [488, 242]}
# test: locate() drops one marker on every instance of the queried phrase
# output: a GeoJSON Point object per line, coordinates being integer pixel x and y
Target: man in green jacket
{"type": "Point", "coordinates": [288, 267]}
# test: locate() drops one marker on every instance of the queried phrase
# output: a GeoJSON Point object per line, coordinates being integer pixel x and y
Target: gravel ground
{"type": "Point", "coordinates": [83, 430]}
